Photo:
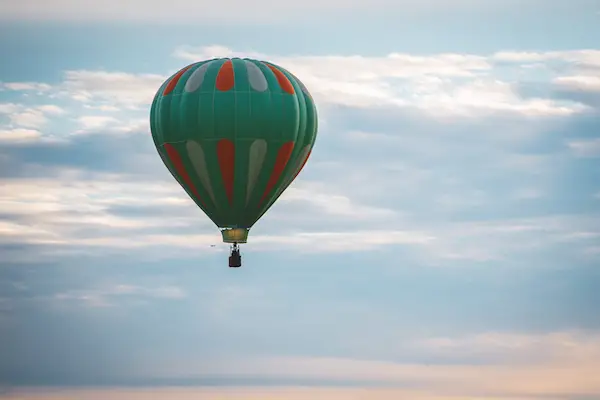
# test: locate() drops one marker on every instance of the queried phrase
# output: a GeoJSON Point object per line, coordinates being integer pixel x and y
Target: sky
{"type": "Point", "coordinates": [442, 242]}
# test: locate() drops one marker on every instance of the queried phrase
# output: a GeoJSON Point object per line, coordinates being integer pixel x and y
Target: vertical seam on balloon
{"type": "Point", "coordinates": [284, 83]}
{"type": "Point", "coordinates": [283, 156]}
{"type": "Point", "coordinates": [173, 82]}
{"type": "Point", "coordinates": [288, 179]}
{"type": "Point", "coordinates": [298, 163]}
{"type": "Point", "coordinates": [298, 98]}
{"type": "Point", "coordinates": [255, 166]}
{"type": "Point", "coordinates": [214, 95]}
{"type": "Point", "coordinates": [297, 172]}
{"type": "Point", "coordinates": [226, 157]}
{"type": "Point", "coordinates": [198, 159]}
{"type": "Point", "coordinates": [270, 91]}
{"type": "Point", "coordinates": [161, 116]}
{"type": "Point", "coordinates": [175, 159]}
{"type": "Point", "coordinates": [249, 148]}
{"type": "Point", "coordinates": [235, 142]}
{"type": "Point", "coordinates": [203, 67]}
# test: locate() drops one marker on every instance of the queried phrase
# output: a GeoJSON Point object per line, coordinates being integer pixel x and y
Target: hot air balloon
{"type": "Point", "coordinates": [234, 133]}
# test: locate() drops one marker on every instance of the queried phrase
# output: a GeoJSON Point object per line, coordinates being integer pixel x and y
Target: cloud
{"type": "Point", "coordinates": [79, 212]}
{"type": "Point", "coordinates": [511, 365]}
{"type": "Point", "coordinates": [26, 86]}
{"type": "Point", "coordinates": [519, 348]}
{"type": "Point", "coordinates": [453, 134]}
{"type": "Point", "coordinates": [439, 85]}
{"type": "Point", "coordinates": [584, 58]}
{"type": "Point", "coordinates": [565, 369]}
{"type": "Point", "coordinates": [51, 109]}
{"type": "Point", "coordinates": [581, 83]}
{"type": "Point", "coordinates": [504, 239]}
{"type": "Point", "coordinates": [444, 222]}
{"type": "Point", "coordinates": [94, 124]}
{"type": "Point", "coordinates": [585, 148]}
{"type": "Point", "coordinates": [8, 108]}
{"type": "Point", "coordinates": [111, 212]}
{"type": "Point", "coordinates": [29, 117]}
{"type": "Point", "coordinates": [332, 204]}
{"type": "Point", "coordinates": [232, 11]}
{"type": "Point", "coordinates": [578, 70]}
{"type": "Point", "coordinates": [554, 379]}
{"type": "Point", "coordinates": [66, 205]}
{"type": "Point", "coordinates": [114, 89]}
{"type": "Point", "coordinates": [443, 84]}
{"type": "Point", "coordinates": [112, 296]}
{"type": "Point", "coordinates": [344, 241]}
{"type": "Point", "coordinates": [19, 135]}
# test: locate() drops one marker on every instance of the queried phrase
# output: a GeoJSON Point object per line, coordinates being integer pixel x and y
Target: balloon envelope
{"type": "Point", "coordinates": [234, 133]}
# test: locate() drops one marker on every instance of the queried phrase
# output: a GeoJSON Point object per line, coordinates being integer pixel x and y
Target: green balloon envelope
{"type": "Point", "coordinates": [234, 133]}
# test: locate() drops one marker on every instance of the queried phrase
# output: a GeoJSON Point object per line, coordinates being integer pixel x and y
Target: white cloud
{"type": "Point", "coordinates": [585, 148]}
{"type": "Point", "coordinates": [112, 296]}
{"type": "Point", "coordinates": [29, 117]}
{"type": "Point", "coordinates": [109, 124]}
{"type": "Point", "coordinates": [518, 347]}
{"type": "Point", "coordinates": [506, 239]}
{"type": "Point", "coordinates": [441, 84]}
{"type": "Point", "coordinates": [26, 86]}
{"type": "Point", "coordinates": [314, 194]}
{"type": "Point", "coordinates": [64, 206]}
{"type": "Point", "coordinates": [118, 89]}
{"type": "Point", "coordinates": [51, 109]}
{"type": "Point", "coordinates": [72, 212]}
{"type": "Point", "coordinates": [346, 214]}
{"type": "Point", "coordinates": [94, 122]}
{"type": "Point", "coordinates": [105, 108]}
{"type": "Point", "coordinates": [133, 126]}
{"type": "Point", "coordinates": [19, 135]}
{"type": "Point", "coordinates": [492, 96]}
{"type": "Point", "coordinates": [579, 70]}
{"type": "Point", "coordinates": [9, 108]}
{"type": "Point", "coordinates": [560, 364]}
{"type": "Point", "coordinates": [229, 11]}
{"type": "Point", "coordinates": [585, 58]}
{"type": "Point", "coordinates": [579, 82]}
{"type": "Point", "coordinates": [360, 68]}
{"type": "Point", "coordinates": [344, 241]}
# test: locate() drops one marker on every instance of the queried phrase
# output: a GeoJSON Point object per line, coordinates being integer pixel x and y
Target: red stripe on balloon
{"type": "Point", "coordinates": [283, 80]}
{"type": "Point", "coordinates": [180, 168]}
{"type": "Point", "coordinates": [225, 78]}
{"type": "Point", "coordinates": [171, 85]}
{"type": "Point", "coordinates": [283, 156]}
{"type": "Point", "coordinates": [226, 155]}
